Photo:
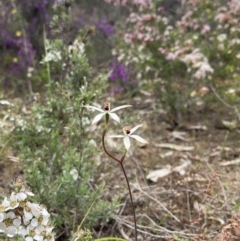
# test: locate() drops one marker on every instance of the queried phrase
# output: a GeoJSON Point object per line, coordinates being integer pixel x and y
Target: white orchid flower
{"type": "Point", "coordinates": [106, 111]}
{"type": "Point", "coordinates": [128, 132]}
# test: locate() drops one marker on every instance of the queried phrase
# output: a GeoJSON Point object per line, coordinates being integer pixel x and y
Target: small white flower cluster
{"type": "Point", "coordinates": [138, 3]}
{"type": "Point", "coordinates": [78, 47]}
{"type": "Point", "coordinates": [18, 216]}
{"type": "Point", "coordinates": [52, 56]}
{"type": "Point", "coordinates": [222, 37]}
{"type": "Point", "coordinates": [74, 173]}
{"type": "Point", "coordinates": [196, 61]}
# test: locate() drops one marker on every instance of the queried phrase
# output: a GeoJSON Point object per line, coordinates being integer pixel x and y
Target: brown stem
{"type": "Point", "coordinates": [130, 193]}
{"type": "Point", "coordinates": [104, 147]}
{"type": "Point", "coordinates": [126, 178]}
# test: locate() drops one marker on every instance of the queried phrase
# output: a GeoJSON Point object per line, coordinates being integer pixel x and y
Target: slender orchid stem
{"type": "Point", "coordinates": [130, 193]}
{"type": "Point", "coordinates": [104, 147]}
{"type": "Point", "coordinates": [126, 178]}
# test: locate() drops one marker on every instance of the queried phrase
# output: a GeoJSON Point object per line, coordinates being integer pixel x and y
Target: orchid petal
{"type": "Point", "coordinates": [93, 107]}
{"type": "Point", "coordinates": [138, 138]}
{"type": "Point", "coordinates": [127, 142]}
{"type": "Point", "coordinates": [117, 136]}
{"type": "Point", "coordinates": [120, 107]}
{"type": "Point", "coordinates": [135, 128]}
{"type": "Point", "coordinates": [97, 118]}
{"type": "Point", "coordinates": [114, 116]}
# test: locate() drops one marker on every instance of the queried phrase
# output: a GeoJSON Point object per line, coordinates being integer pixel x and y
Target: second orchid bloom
{"type": "Point", "coordinates": [128, 132]}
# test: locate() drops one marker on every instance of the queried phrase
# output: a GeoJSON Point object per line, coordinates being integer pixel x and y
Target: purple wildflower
{"type": "Point", "coordinates": [121, 75]}
{"type": "Point", "coordinates": [106, 27]}
{"type": "Point", "coordinates": [120, 72]}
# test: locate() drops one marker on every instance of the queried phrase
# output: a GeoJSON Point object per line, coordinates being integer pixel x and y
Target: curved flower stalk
{"type": "Point", "coordinates": [106, 111]}
{"type": "Point", "coordinates": [128, 132]}
{"type": "Point", "coordinates": [18, 216]}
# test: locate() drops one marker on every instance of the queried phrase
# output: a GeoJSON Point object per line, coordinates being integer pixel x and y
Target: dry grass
{"type": "Point", "coordinates": [197, 205]}
{"type": "Point", "coordinates": [193, 206]}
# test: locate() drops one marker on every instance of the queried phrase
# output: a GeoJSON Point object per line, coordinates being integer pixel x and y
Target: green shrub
{"type": "Point", "coordinates": [58, 160]}
{"type": "Point", "coordinates": [182, 52]}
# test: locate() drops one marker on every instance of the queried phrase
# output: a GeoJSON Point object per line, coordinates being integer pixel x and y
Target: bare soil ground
{"type": "Point", "coordinates": [195, 193]}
